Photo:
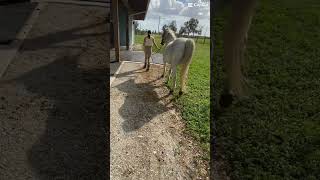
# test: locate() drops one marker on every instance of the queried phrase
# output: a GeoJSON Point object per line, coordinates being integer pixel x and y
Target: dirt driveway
{"type": "Point", "coordinates": [53, 99]}
{"type": "Point", "coordinates": [147, 139]}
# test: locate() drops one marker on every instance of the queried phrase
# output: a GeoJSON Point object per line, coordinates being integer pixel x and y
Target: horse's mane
{"type": "Point", "coordinates": [171, 32]}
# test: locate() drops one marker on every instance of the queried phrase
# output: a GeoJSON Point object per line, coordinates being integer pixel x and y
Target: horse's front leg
{"type": "Point", "coordinates": [169, 76]}
{"type": "Point", "coordinates": [164, 69]}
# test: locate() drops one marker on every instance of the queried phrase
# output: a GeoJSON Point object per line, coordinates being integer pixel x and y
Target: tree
{"type": "Point", "coordinates": [199, 31]}
{"type": "Point", "coordinates": [136, 26]}
{"type": "Point", "coordinates": [164, 27]}
{"type": "Point", "coordinates": [173, 26]}
{"type": "Point", "coordinates": [193, 24]}
{"type": "Point", "coordinates": [183, 30]}
{"type": "Point", "coordinates": [187, 27]}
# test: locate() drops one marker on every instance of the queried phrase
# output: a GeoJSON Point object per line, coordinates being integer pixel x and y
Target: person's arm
{"type": "Point", "coordinates": [154, 42]}
{"type": "Point", "coordinates": [144, 41]}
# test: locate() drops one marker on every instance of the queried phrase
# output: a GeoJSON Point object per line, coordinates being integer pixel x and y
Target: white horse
{"type": "Point", "coordinates": [177, 51]}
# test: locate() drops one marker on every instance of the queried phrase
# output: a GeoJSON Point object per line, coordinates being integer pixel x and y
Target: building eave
{"type": "Point", "coordinates": [138, 8]}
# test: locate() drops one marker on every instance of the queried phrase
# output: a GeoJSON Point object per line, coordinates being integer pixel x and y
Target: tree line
{"type": "Point", "coordinates": [190, 27]}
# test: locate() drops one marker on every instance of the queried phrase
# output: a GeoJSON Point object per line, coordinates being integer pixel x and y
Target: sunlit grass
{"type": "Point", "coordinates": [280, 121]}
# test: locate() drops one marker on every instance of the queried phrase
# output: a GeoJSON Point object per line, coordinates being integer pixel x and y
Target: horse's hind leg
{"type": "Point", "coordinates": [169, 76]}
{"type": "Point", "coordinates": [174, 71]}
{"type": "Point", "coordinates": [184, 74]}
{"type": "Point", "coordinates": [170, 73]}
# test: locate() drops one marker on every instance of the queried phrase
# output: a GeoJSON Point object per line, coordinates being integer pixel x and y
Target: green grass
{"type": "Point", "coordinates": [280, 121]}
{"type": "Point", "coordinates": [195, 104]}
{"type": "Point", "coordinates": [139, 40]}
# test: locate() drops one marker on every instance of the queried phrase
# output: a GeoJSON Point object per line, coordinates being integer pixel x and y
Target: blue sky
{"type": "Point", "coordinates": [179, 10]}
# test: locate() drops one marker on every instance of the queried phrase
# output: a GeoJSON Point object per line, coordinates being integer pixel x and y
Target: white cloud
{"type": "Point", "coordinates": [189, 8]}
{"type": "Point", "coordinates": [178, 10]}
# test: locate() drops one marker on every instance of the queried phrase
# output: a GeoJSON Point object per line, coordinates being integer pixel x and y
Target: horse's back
{"type": "Point", "coordinates": [175, 50]}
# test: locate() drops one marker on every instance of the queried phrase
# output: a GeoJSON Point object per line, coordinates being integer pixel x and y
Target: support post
{"type": "Point", "coordinates": [127, 32]}
{"type": "Point", "coordinates": [115, 15]}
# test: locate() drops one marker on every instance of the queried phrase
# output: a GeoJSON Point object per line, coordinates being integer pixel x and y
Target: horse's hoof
{"type": "Point", "coordinates": [162, 76]}
{"type": "Point", "coordinates": [180, 93]}
{"type": "Point", "coordinates": [171, 91]}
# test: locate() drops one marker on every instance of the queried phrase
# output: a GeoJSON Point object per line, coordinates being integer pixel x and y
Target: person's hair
{"type": "Point", "coordinates": [149, 32]}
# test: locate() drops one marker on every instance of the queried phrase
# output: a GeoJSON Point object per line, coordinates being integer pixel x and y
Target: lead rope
{"type": "Point", "coordinates": [156, 52]}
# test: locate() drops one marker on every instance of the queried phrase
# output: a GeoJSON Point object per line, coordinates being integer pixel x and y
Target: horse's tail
{"type": "Point", "coordinates": [187, 57]}
{"type": "Point", "coordinates": [188, 51]}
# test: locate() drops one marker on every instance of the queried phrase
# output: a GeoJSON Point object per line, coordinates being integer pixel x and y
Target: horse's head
{"type": "Point", "coordinates": [167, 36]}
{"type": "Point", "coordinates": [164, 34]}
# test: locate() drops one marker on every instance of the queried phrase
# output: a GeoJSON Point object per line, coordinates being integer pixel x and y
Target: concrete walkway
{"type": "Point", "coordinates": [13, 32]}
{"type": "Point", "coordinates": [13, 17]}
{"type": "Point", "coordinates": [147, 140]}
{"type": "Point", "coordinates": [132, 56]}
{"type": "Point", "coordinates": [136, 56]}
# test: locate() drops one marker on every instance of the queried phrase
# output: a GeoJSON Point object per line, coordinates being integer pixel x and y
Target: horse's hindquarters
{"type": "Point", "coordinates": [174, 51]}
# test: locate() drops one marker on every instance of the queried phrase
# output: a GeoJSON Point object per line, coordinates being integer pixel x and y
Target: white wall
{"type": "Point", "coordinates": [131, 31]}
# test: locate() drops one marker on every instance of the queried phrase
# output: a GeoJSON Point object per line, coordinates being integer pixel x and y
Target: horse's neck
{"type": "Point", "coordinates": [171, 38]}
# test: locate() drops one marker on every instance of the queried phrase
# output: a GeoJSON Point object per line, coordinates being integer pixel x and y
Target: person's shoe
{"type": "Point", "coordinates": [145, 65]}
{"type": "Point", "coordinates": [148, 66]}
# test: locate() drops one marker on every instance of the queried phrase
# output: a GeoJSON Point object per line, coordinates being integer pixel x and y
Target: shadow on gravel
{"type": "Point", "coordinates": [141, 104]}
{"type": "Point", "coordinates": [52, 40]}
{"type": "Point", "coordinates": [75, 144]}
{"type": "Point", "coordinates": [13, 16]}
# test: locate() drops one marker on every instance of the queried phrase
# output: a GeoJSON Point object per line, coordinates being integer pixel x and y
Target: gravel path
{"type": "Point", "coordinates": [147, 139]}
{"type": "Point", "coordinates": [53, 99]}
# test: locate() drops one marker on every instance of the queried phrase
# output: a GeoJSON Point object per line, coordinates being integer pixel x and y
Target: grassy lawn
{"type": "Point", "coordinates": [195, 104]}
{"type": "Point", "coordinates": [280, 120]}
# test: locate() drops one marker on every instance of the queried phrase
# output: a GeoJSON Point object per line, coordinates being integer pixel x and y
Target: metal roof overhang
{"type": "Point", "coordinates": [137, 8]}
